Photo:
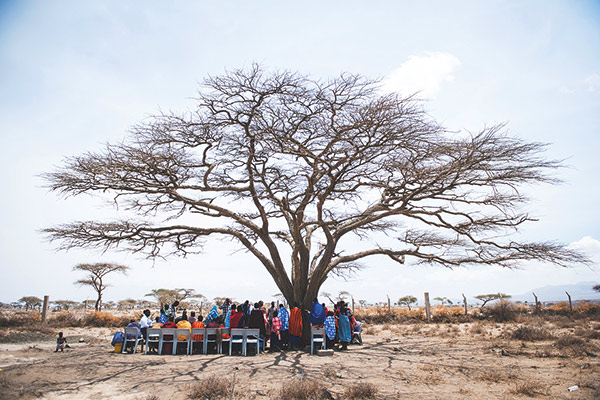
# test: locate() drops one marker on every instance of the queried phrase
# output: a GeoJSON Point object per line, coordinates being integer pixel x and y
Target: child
{"type": "Point", "coordinates": [61, 341]}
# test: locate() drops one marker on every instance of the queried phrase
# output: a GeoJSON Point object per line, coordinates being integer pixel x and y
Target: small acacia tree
{"type": "Point", "coordinates": [596, 288]}
{"type": "Point", "coordinates": [486, 298]}
{"type": "Point", "coordinates": [96, 274]}
{"type": "Point", "coordinates": [311, 177]}
{"type": "Point", "coordinates": [407, 301]}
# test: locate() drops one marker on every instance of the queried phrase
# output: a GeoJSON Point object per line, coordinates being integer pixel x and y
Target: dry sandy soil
{"type": "Point", "coordinates": [405, 361]}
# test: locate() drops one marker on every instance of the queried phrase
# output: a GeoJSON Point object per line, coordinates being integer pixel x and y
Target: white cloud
{"type": "Point", "coordinates": [592, 82]}
{"type": "Point", "coordinates": [424, 73]}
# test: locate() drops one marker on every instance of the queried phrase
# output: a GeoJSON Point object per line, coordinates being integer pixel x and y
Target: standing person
{"type": "Point", "coordinates": [344, 330]}
{"type": "Point", "coordinates": [330, 330]}
{"type": "Point", "coordinates": [212, 315]}
{"type": "Point", "coordinates": [225, 307]}
{"type": "Point", "coordinates": [163, 317]}
{"type": "Point", "coordinates": [145, 323]}
{"type": "Point", "coordinates": [227, 317]}
{"type": "Point", "coordinates": [173, 311]}
{"type": "Point", "coordinates": [284, 316]}
{"type": "Point", "coordinates": [257, 320]}
{"type": "Point", "coordinates": [270, 312]}
{"type": "Point", "coordinates": [275, 333]}
{"type": "Point", "coordinates": [61, 342]}
{"type": "Point", "coordinates": [295, 326]}
{"type": "Point", "coordinates": [317, 315]}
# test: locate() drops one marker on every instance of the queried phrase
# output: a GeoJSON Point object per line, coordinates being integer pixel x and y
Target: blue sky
{"type": "Point", "coordinates": [74, 75]}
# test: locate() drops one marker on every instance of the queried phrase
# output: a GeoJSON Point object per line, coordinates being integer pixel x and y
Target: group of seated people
{"type": "Point", "coordinates": [281, 328]}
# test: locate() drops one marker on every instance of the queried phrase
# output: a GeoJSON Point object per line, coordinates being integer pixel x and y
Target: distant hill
{"type": "Point", "coordinates": [548, 293]}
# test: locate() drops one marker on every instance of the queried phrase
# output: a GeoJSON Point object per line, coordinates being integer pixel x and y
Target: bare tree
{"type": "Point", "coordinates": [298, 169]}
{"type": "Point", "coordinates": [96, 274]}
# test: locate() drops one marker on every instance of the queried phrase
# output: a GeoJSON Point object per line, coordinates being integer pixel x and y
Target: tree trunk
{"type": "Point", "coordinates": [98, 305]}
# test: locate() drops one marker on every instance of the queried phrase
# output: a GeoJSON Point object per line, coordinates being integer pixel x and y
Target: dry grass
{"type": "Point", "coordinates": [529, 389]}
{"type": "Point", "coordinates": [362, 390]}
{"type": "Point", "coordinates": [303, 389]}
{"type": "Point", "coordinates": [212, 388]}
{"type": "Point", "coordinates": [493, 375]}
{"type": "Point", "coordinates": [330, 372]}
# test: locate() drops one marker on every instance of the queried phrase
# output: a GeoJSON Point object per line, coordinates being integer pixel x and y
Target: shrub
{"type": "Point", "coordinates": [530, 334]}
{"type": "Point", "coordinates": [303, 389]}
{"type": "Point", "coordinates": [502, 311]}
{"type": "Point", "coordinates": [212, 388]}
{"type": "Point", "coordinates": [363, 390]}
{"type": "Point", "coordinates": [104, 320]}
{"type": "Point", "coordinates": [64, 319]}
{"type": "Point", "coordinates": [19, 319]}
{"type": "Point", "coordinates": [567, 341]}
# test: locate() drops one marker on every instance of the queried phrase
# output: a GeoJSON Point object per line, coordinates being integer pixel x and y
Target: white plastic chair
{"type": "Point", "coordinates": [225, 331]}
{"type": "Point", "coordinates": [317, 335]}
{"type": "Point", "coordinates": [166, 332]}
{"type": "Point", "coordinates": [252, 336]}
{"type": "Point", "coordinates": [153, 337]}
{"type": "Point", "coordinates": [237, 336]}
{"type": "Point", "coordinates": [134, 332]}
{"type": "Point", "coordinates": [196, 332]}
{"type": "Point", "coordinates": [210, 336]}
{"type": "Point", "coordinates": [182, 332]}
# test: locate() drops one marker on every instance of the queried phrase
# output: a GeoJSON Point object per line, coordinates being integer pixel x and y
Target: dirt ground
{"type": "Point", "coordinates": [404, 361]}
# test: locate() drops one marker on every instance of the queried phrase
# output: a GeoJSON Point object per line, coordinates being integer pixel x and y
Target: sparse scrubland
{"type": "Point", "coordinates": [500, 352]}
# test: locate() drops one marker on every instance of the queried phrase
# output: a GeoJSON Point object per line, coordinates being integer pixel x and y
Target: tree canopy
{"type": "Point", "coordinates": [311, 177]}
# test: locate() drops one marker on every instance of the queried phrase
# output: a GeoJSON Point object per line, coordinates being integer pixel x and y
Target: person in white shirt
{"type": "Point", "coordinates": [145, 323]}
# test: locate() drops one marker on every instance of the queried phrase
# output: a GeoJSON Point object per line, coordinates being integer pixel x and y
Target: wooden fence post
{"type": "Point", "coordinates": [427, 307]}
{"type": "Point", "coordinates": [537, 303]}
{"type": "Point", "coordinates": [45, 308]}
{"type": "Point", "coordinates": [465, 302]}
{"type": "Point", "coordinates": [570, 303]}
{"type": "Point", "coordinates": [389, 304]}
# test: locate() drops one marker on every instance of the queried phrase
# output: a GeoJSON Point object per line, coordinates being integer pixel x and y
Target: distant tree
{"type": "Point", "coordinates": [219, 300]}
{"type": "Point", "coordinates": [31, 302]}
{"type": "Point", "coordinates": [66, 304]}
{"type": "Point", "coordinates": [362, 303]}
{"type": "Point", "coordinates": [168, 296]}
{"type": "Point", "coordinates": [486, 298]}
{"type": "Point", "coordinates": [163, 296]}
{"type": "Point", "coordinates": [596, 288]}
{"type": "Point", "coordinates": [128, 303]}
{"type": "Point", "coordinates": [407, 301]}
{"type": "Point", "coordinates": [96, 274]}
{"type": "Point", "coordinates": [441, 299]}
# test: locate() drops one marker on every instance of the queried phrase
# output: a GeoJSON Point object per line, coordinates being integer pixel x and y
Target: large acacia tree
{"type": "Point", "coordinates": [311, 177]}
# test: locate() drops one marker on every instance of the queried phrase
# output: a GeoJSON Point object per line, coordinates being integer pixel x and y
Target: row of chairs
{"type": "Point", "coordinates": [197, 336]}
{"type": "Point", "coordinates": [244, 337]}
